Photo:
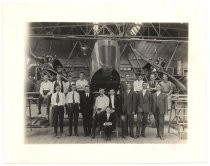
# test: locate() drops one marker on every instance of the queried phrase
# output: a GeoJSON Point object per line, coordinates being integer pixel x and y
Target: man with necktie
{"type": "Point", "coordinates": [159, 108]}
{"type": "Point", "coordinates": [129, 109]}
{"type": "Point", "coordinates": [73, 101]}
{"type": "Point", "coordinates": [59, 82]}
{"type": "Point", "coordinates": [87, 101]}
{"type": "Point", "coordinates": [144, 101]}
{"type": "Point", "coordinates": [115, 103]}
{"type": "Point", "coordinates": [58, 102]}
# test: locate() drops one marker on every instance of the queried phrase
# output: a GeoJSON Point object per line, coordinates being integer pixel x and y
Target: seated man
{"type": "Point", "coordinates": [102, 101]}
{"type": "Point", "coordinates": [46, 90]}
{"type": "Point", "coordinates": [109, 122]}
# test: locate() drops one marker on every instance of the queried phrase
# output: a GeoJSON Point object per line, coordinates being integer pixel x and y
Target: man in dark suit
{"type": "Point", "coordinates": [115, 103]}
{"type": "Point", "coordinates": [129, 109]}
{"type": "Point", "coordinates": [144, 101]}
{"type": "Point", "coordinates": [87, 102]}
{"type": "Point", "coordinates": [109, 122]}
{"type": "Point", "coordinates": [159, 108]}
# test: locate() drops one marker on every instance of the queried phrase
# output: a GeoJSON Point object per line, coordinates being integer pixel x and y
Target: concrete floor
{"type": "Point", "coordinates": [44, 135]}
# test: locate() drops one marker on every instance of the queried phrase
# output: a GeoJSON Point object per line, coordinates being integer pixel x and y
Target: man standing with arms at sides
{"type": "Point", "coordinates": [87, 101]}
{"type": "Point", "coordinates": [152, 84]}
{"type": "Point", "coordinates": [167, 88]}
{"type": "Point", "coordinates": [115, 103]}
{"type": "Point", "coordinates": [143, 109]}
{"type": "Point", "coordinates": [81, 83]}
{"type": "Point", "coordinates": [137, 85]}
{"type": "Point", "coordinates": [46, 89]}
{"type": "Point", "coordinates": [58, 102]}
{"type": "Point", "coordinates": [59, 82]}
{"type": "Point", "coordinates": [129, 109]}
{"type": "Point", "coordinates": [102, 101]}
{"type": "Point", "coordinates": [73, 101]}
{"type": "Point", "coordinates": [159, 108]}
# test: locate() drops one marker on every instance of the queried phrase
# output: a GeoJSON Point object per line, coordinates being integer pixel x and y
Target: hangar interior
{"type": "Point", "coordinates": [140, 47]}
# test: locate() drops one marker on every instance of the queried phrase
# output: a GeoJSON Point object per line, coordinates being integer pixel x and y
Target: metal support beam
{"type": "Point", "coordinates": [155, 29]}
{"type": "Point", "coordinates": [136, 58]}
{"type": "Point", "coordinates": [71, 52]}
{"type": "Point", "coordinates": [172, 56]}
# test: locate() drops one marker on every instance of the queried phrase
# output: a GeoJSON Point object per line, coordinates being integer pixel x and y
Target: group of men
{"type": "Point", "coordinates": [139, 98]}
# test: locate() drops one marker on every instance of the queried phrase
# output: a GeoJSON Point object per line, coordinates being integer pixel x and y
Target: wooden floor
{"type": "Point", "coordinates": [45, 135]}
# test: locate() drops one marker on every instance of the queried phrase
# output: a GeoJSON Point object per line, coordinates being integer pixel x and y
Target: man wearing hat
{"type": "Point", "coordinates": [102, 101]}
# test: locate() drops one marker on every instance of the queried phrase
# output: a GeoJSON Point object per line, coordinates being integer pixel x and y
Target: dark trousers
{"type": "Point", "coordinates": [73, 114]}
{"type": "Point", "coordinates": [127, 122]}
{"type": "Point", "coordinates": [159, 122]}
{"type": "Point", "coordinates": [97, 119]}
{"type": "Point", "coordinates": [58, 113]}
{"type": "Point", "coordinates": [40, 101]}
{"type": "Point", "coordinates": [141, 122]}
{"type": "Point", "coordinates": [108, 131]}
{"type": "Point", "coordinates": [87, 119]}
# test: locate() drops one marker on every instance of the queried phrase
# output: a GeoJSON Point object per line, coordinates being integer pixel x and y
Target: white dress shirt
{"type": "Point", "coordinates": [137, 85]}
{"type": "Point", "coordinates": [61, 99]}
{"type": "Point", "coordinates": [112, 100]}
{"type": "Point", "coordinates": [67, 86]}
{"type": "Point", "coordinates": [107, 116]}
{"type": "Point", "coordinates": [87, 94]}
{"type": "Point", "coordinates": [59, 82]}
{"type": "Point", "coordinates": [102, 102]}
{"type": "Point", "coordinates": [69, 97]}
{"type": "Point", "coordinates": [46, 86]}
{"type": "Point", "coordinates": [144, 91]}
{"type": "Point", "coordinates": [80, 84]}
{"type": "Point", "coordinates": [158, 93]}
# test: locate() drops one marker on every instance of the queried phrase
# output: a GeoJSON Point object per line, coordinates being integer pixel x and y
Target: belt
{"type": "Point", "coordinates": [166, 92]}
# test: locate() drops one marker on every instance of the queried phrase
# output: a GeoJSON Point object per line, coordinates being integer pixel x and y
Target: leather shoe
{"type": "Point", "coordinates": [131, 135]}
{"type": "Point", "coordinates": [143, 135]}
{"type": "Point", "coordinates": [137, 136]}
{"type": "Point", "coordinates": [161, 137]}
{"type": "Point", "coordinates": [76, 135]}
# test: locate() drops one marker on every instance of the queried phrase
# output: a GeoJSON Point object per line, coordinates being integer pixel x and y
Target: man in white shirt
{"type": "Point", "coordinates": [102, 101]}
{"type": "Point", "coordinates": [81, 83]}
{"type": "Point", "coordinates": [59, 82]}
{"type": "Point", "coordinates": [58, 102]}
{"type": "Point", "coordinates": [137, 85]}
{"type": "Point", "coordinates": [46, 89]}
{"type": "Point", "coordinates": [73, 101]}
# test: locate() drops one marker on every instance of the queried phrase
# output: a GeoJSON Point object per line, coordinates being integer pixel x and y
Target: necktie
{"type": "Point", "coordinates": [69, 86]}
{"type": "Point", "coordinates": [57, 98]}
{"type": "Point", "coordinates": [73, 98]}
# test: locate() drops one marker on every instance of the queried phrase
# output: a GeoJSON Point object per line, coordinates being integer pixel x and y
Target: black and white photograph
{"type": "Point", "coordinates": [88, 82]}
{"type": "Point", "coordinates": [111, 82]}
